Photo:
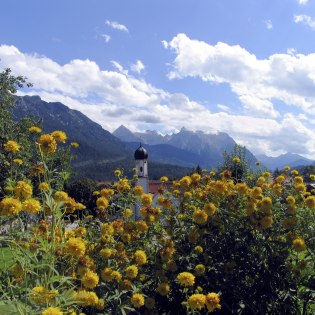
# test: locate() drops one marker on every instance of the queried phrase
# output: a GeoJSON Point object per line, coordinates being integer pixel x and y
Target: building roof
{"type": "Point", "coordinates": [141, 153]}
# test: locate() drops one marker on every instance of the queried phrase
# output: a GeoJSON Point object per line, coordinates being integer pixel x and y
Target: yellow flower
{"type": "Point", "coordinates": [185, 181]}
{"type": "Point", "coordinates": [90, 279]}
{"type": "Point", "coordinates": [107, 192]}
{"type": "Point", "coordinates": [23, 190]}
{"type": "Point", "coordinates": [74, 144]}
{"type": "Point", "coordinates": [47, 144]}
{"type": "Point", "coordinates": [186, 279]}
{"type": "Point", "coordinates": [256, 192]}
{"type": "Point", "coordinates": [31, 205]}
{"type": "Point", "coordinates": [266, 174]}
{"type": "Point", "coordinates": [298, 180]}
{"type": "Point", "coordinates": [213, 301]}
{"type": "Point", "coordinates": [146, 200]}
{"type": "Point", "coordinates": [41, 295]}
{"type": "Point", "coordinates": [163, 288]}
{"type": "Point", "coordinates": [312, 176]}
{"type": "Point", "coordinates": [195, 177]}
{"type": "Point", "coordinates": [43, 186]}
{"type": "Point", "coordinates": [52, 311]}
{"type": "Point", "coordinates": [266, 205]}
{"type": "Point", "coordinates": [299, 245]}
{"type": "Point", "coordinates": [75, 246]}
{"type": "Point", "coordinates": [11, 146]}
{"type": "Point", "coordinates": [261, 180]}
{"type": "Point", "coordinates": [197, 301]}
{"type": "Point", "coordinates": [310, 202]}
{"type": "Point", "coordinates": [34, 129]}
{"type": "Point", "coordinates": [107, 274]}
{"type": "Point", "coordinates": [106, 253]}
{"type": "Point", "coordinates": [287, 168]}
{"type": "Point", "coordinates": [18, 161]}
{"type": "Point", "coordinates": [294, 172]}
{"type": "Point", "coordinates": [200, 217]}
{"type": "Point", "coordinates": [123, 185]}
{"type": "Point", "coordinates": [266, 222]}
{"type": "Point", "coordinates": [142, 226]}
{"type": "Point", "coordinates": [290, 200]}
{"type": "Point", "coordinates": [127, 213]}
{"type": "Point", "coordinates": [10, 206]}
{"type": "Point", "coordinates": [138, 190]}
{"type": "Point", "coordinates": [198, 249]}
{"type": "Point", "coordinates": [118, 172]}
{"type": "Point", "coordinates": [140, 257]}
{"type": "Point", "coordinates": [59, 136]}
{"type": "Point", "coordinates": [241, 188]}
{"type": "Point", "coordinates": [280, 179]}
{"type": "Point", "coordinates": [300, 188]}
{"type": "Point", "coordinates": [116, 275]}
{"type": "Point", "coordinates": [61, 196]}
{"type": "Point", "coordinates": [149, 303]}
{"type": "Point", "coordinates": [107, 228]}
{"type": "Point", "coordinates": [131, 271]}
{"type": "Point", "coordinates": [137, 300]}
{"type": "Point", "coordinates": [164, 179]}
{"type": "Point", "coordinates": [102, 203]}
{"type": "Point", "coordinates": [210, 208]}
{"type": "Point", "coordinates": [200, 269]}
{"type": "Point", "coordinates": [86, 298]}
{"type": "Point", "coordinates": [236, 160]}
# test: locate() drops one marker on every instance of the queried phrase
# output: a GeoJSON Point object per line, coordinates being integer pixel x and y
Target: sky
{"type": "Point", "coordinates": [243, 67]}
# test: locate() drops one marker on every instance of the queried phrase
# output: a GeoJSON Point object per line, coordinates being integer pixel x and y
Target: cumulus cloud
{"type": "Point", "coordinates": [306, 20]}
{"type": "Point", "coordinates": [106, 38]}
{"type": "Point", "coordinates": [137, 67]}
{"type": "Point", "coordinates": [117, 26]}
{"type": "Point", "coordinates": [257, 82]}
{"type": "Point", "coordinates": [112, 98]}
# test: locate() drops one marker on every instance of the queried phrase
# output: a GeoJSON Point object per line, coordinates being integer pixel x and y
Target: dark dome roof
{"type": "Point", "coordinates": [141, 153]}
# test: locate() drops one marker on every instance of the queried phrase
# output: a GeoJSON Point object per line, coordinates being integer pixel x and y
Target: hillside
{"type": "Point", "coordinates": [100, 152]}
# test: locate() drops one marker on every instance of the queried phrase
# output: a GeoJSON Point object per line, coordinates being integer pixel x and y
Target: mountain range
{"type": "Point", "coordinates": [185, 148]}
{"type": "Point", "coordinates": [101, 152]}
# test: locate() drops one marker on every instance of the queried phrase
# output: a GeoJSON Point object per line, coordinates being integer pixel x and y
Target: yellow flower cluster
{"type": "Point", "coordinates": [41, 295]}
{"type": "Point", "coordinates": [199, 301]}
{"type": "Point", "coordinates": [11, 146]}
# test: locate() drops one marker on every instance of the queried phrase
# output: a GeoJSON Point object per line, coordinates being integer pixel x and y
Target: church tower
{"type": "Point", "coordinates": [141, 159]}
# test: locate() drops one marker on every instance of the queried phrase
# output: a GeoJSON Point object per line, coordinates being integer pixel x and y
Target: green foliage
{"type": "Point", "coordinates": [237, 164]}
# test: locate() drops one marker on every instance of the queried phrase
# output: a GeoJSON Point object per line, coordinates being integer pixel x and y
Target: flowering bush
{"type": "Point", "coordinates": [229, 242]}
{"type": "Point", "coordinates": [205, 244]}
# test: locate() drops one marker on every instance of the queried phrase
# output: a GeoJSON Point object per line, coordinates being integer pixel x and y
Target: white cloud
{"type": "Point", "coordinates": [224, 108]}
{"type": "Point", "coordinates": [302, 2]}
{"type": "Point", "coordinates": [117, 26]}
{"type": "Point", "coordinates": [115, 97]}
{"type": "Point", "coordinates": [305, 19]}
{"type": "Point", "coordinates": [268, 24]}
{"type": "Point", "coordinates": [119, 67]}
{"type": "Point", "coordinates": [106, 37]}
{"type": "Point", "coordinates": [137, 67]}
{"type": "Point", "coordinates": [282, 77]}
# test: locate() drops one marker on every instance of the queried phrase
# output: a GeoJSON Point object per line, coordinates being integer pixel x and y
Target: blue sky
{"type": "Point", "coordinates": [242, 67]}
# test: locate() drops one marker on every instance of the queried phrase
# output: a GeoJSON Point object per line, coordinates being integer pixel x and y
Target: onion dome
{"type": "Point", "coordinates": [141, 153]}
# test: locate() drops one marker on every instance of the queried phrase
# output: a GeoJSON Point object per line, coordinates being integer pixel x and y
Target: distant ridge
{"type": "Point", "coordinates": [279, 162]}
{"type": "Point", "coordinates": [186, 147]}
